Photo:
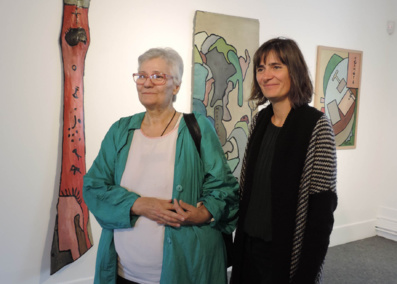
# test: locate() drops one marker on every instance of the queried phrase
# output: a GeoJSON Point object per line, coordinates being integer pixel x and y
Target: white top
{"type": "Point", "coordinates": [149, 172]}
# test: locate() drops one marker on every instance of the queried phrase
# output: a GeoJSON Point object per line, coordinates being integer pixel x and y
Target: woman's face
{"type": "Point", "coordinates": [273, 78]}
{"type": "Point", "coordinates": [154, 96]}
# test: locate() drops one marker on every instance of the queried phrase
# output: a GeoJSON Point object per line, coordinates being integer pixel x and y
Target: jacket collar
{"type": "Point", "coordinates": [136, 121]}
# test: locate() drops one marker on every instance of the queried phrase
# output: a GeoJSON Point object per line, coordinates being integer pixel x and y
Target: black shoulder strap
{"type": "Point", "coordinates": [194, 129]}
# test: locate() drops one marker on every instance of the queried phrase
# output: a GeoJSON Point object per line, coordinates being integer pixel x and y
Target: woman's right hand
{"type": "Point", "coordinates": [159, 210]}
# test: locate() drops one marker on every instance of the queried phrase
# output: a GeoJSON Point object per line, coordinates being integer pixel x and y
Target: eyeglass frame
{"type": "Point", "coordinates": [166, 76]}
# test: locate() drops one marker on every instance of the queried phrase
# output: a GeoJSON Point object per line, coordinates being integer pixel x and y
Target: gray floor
{"type": "Point", "coordinates": [368, 261]}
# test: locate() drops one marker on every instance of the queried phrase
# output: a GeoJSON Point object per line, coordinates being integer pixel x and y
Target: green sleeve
{"type": "Point", "coordinates": [220, 187]}
{"type": "Point", "coordinates": [106, 199]}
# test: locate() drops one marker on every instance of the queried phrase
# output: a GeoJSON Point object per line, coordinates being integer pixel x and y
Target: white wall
{"type": "Point", "coordinates": [387, 211]}
{"type": "Point", "coordinates": [31, 83]}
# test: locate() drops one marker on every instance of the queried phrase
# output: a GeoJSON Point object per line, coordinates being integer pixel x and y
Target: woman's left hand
{"type": "Point", "coordinates": [193, 215]}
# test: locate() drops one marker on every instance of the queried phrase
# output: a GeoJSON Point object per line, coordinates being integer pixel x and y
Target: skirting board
{"type": "Point", "coordinates": [352, 232]}
{"type": "Point", "coordinates": [386, 225]}
{"type": "Point", "coordinates": [88, 280]}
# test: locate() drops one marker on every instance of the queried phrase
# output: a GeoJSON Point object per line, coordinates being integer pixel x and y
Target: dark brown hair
{"type": "Point", "coordinates": [289, 54]}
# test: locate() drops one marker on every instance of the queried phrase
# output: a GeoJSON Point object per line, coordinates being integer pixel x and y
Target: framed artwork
{"type": "Point", "coordinates": [337, 91]}
{"type": "Point", "coordinates": [222, 75]}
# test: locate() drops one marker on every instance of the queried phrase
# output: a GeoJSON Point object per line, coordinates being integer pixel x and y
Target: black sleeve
{"type": "Point", "coordinates": [316, 239]}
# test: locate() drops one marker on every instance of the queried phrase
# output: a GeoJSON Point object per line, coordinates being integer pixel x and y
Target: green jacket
{"type": "Point", "coordinates": [192, 254]}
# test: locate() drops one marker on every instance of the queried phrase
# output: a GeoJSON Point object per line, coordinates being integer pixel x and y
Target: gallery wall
{"type": "Point", "coordinates": [31, 83]}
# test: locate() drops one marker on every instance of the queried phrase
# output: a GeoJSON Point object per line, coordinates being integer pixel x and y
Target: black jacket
{"type": "Point", "coordinates": [303, 190]}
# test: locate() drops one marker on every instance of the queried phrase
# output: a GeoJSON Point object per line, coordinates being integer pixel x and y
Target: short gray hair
{"type": "Point", "coordinates": [170, 56]}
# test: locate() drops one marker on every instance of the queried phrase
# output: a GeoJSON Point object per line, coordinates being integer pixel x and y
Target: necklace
{"type": "Point", "coordinates": [168, 123]}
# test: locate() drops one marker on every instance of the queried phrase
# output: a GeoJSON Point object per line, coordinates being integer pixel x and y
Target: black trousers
{"type": "Point", "coordinates": [121, 280]}
{"type": "Point", "coordinates": [257, 267]}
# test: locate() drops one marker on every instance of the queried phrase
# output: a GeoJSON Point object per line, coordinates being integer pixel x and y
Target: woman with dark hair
{"type": "Point", "coordinates": [288, 179]}
{"type": "Point", "coordinates": [162, 203]}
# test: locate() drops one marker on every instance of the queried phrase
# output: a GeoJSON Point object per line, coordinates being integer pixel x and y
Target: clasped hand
{"type": "Point", "coordinates": [174, 214]}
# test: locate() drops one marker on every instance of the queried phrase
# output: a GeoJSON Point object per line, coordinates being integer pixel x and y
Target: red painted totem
{"type": "Point", "coordinates": [72, 234]}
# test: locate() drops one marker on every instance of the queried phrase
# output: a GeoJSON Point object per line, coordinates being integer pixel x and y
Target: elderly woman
{"type": "Point", "coordinates": [161, 204]}
{"type": "Point", "coordinates": [288, 180]}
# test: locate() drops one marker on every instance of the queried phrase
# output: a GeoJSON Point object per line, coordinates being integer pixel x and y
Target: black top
{"type": "Point", "coordinates": [258, 218]}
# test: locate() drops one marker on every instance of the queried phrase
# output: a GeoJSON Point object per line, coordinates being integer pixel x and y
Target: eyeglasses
{"type": "Point", "coordinates": [157, 79]}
